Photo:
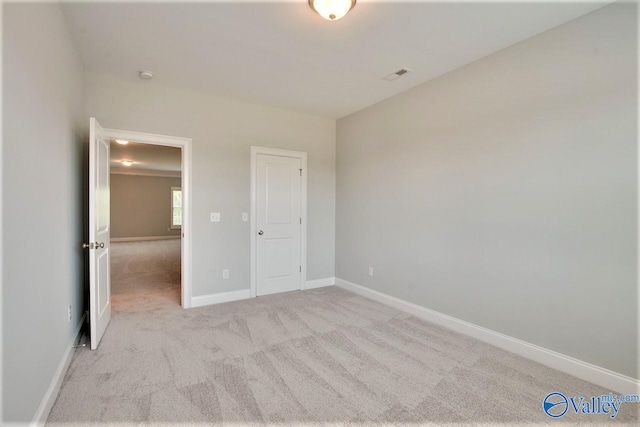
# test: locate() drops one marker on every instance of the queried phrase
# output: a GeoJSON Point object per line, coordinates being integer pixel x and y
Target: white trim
{"type": "Point", "coordinates": [144, 172]}
{"type": "Point", "coordinates": [578, 368]}
{"type": "Point", "coordinates": [202, 300]}
{"type": "Point", "coordinates": [41, 415]}
{"type": "Point", "coordinates": [185, 145]}
{"type": "Point", "coordinates": [319, 283]}
{"type": "Point", "coordinates": [142, 239]}
{"type": "Point", "coordinates": [637, 214]}
{"type": "Point", "coordinates": [255, 150]}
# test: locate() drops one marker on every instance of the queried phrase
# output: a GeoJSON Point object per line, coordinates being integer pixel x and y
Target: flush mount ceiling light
{"type": "Point", "coordinates": [332, 10]}
{"type": "Point", "coordinates": [127, 162]}
{"type": "Point", "coordinates": [122, 141]}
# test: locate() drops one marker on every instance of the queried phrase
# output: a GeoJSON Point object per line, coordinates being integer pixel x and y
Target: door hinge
{"type": "Point", "coordinates": [300, 220]}
{"type": "Point", "coordinates": [300, 172]}
{"type": "Point", "coordinates": [300, 269]}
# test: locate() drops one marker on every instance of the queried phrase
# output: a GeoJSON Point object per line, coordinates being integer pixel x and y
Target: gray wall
{"type": "Point", "coordinates": [44, 129]}
{"type": "Point", "coordinates": [141, 205]}
{"type": "Point", "coordinates": [222, 131]}
{"type": "Point", "coordinates": [504, 193]}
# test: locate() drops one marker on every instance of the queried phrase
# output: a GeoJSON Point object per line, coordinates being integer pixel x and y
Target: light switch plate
{"type": "Point", "coordinates": [225, 274]}
{"type": "Point", "coordinates": [370, 271]}
{"type": "Point", "coordinates": [245, 216]}
{"type": "Point", "coordinates": [215, 216]}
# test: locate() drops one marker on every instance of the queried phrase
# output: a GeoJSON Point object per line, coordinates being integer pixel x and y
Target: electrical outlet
{"type": "Point", "coordinates": [370, 271]}
{"type": "Point", "coordinates": [215, 216]}
{"type": "Point", "coordinates": [225, 274]}
{"type": "Point", "coordinates": [69, 314]}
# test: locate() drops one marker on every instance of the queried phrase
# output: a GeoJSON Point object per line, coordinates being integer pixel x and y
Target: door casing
{"type": "Point", "coordinates": [255, 151]}
{"type": "Point", "coordinates": [185, 145]}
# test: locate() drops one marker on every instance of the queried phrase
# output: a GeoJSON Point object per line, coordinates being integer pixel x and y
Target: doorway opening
{"type": "Point", "coordinates": [146, 225]}
{"type": "Point", "coordinates": [149, 220]}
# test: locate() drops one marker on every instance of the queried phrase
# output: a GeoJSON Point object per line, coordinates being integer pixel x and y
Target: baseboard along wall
{"type": "Point", "coordinates": [570, 365]}
{"type": "Point", "coordinates": [40, 418]}
{"type": "Point", "coordinates": [319, 283]}
{"type": "Point", "coordinates": [142, 239]}
{"type": "Point", "coordinates": [202, 300]}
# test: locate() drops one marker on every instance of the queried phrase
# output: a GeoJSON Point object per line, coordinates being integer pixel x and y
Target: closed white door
{"type": "Point", "coordinates": [99, 234]}
{"type": "Point", "coordinates": [278, 219]}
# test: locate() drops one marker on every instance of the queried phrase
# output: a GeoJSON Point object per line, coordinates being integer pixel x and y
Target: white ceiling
{"type": "Point", "coordinates": [146, 157]}
{"type": "Point", "coordinates": [285, 55]}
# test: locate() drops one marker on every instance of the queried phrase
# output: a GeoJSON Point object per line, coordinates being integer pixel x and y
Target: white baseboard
{"type": "Point", "coordinates": [202, 300]}
{"type": "Point", "coordinates": [142, 239]}
{"type": "Point", "coordinates": [210, 299]}
{"type": "Point", "coordinates": [319, 283]}
{"type": "Point", "coordinates": [40, 418]}
{"type": "Point", "coordinates": [578, 368]}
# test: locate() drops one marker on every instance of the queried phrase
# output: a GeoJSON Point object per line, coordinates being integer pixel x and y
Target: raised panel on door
{"type": "Point", "coordinates": [278, 218]}
{"type": "Point", "coordinates": [279, 197]}
{"type": "Point", "coordinates": [278, 253]}
{"type": "Point", "coordinates": [103, 294]}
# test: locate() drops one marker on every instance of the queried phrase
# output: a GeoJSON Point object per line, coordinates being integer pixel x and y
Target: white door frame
{"type": "Point", "coordinates": [185, 145]}
{"type": "Point", "coordinates": [254, 202]}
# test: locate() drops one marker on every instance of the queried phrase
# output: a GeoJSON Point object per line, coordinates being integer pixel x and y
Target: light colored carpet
{"type": "Point", "coordinates": [145, 275]}
{"type": "Point", "coordinates": [323, 356]}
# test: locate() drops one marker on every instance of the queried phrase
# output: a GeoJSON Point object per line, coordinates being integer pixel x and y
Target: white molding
{"type": "Point", "coordinates": [255, 150]}
{"type": "Point", "coordinates": [144, 172]}
{"type": "Point", "coordinates": [41, 415]}
{"type": "Point", "coordinates": [142, 239]}
{"type": "Point", "coordinates": [202, 300]}
{"type": "Point", "coordinates": [319, 283]}
{"type": "Point", "coordinates": [578, 368]}
{"type": "Point", "coordinates": [185, 144]}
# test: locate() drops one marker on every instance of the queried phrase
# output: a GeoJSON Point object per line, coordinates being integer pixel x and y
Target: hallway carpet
{"type": "Point", "coordinates": [317, 357]}
{"type": "Point", "coordinates": [145, 275]}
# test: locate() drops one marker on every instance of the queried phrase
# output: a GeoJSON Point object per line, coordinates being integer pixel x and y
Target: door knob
{"type": "Point", "coordinates": [260, 233]}
{"type": "Point", "coordinates": [92, 245]}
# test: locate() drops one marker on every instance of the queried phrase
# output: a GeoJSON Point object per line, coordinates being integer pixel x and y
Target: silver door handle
{"type": "Point", "coordinates": [260, 233]}
{"type": "Point", "coordinates": [93, 245]}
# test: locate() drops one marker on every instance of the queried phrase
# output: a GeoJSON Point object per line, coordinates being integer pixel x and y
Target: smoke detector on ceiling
{"type": "Point", "coordinates": [146, 75]}
{"type": "Point", "coordinates": [401, 72]}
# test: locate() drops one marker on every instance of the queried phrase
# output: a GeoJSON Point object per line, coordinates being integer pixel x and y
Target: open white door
{"type": "Point", "coordinates": [99, 233]}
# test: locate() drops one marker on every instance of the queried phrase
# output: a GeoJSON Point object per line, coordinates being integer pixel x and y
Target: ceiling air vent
{"type": "Point", "coordinates": [401, 72]}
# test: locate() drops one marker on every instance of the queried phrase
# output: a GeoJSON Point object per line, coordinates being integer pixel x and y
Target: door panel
{"type": "Point", "coordinates": [278, 217]}
{"type": "Point", "coordinates": [102, 187]}
{"type": "Point", "coordinates": [102, 266]}
{"type": "Point", "coordinates": [99, 233]}
{"type": "Point", "coordinates": [278, 198]}
{"type": "Point", "coordinates": [278, 253]}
